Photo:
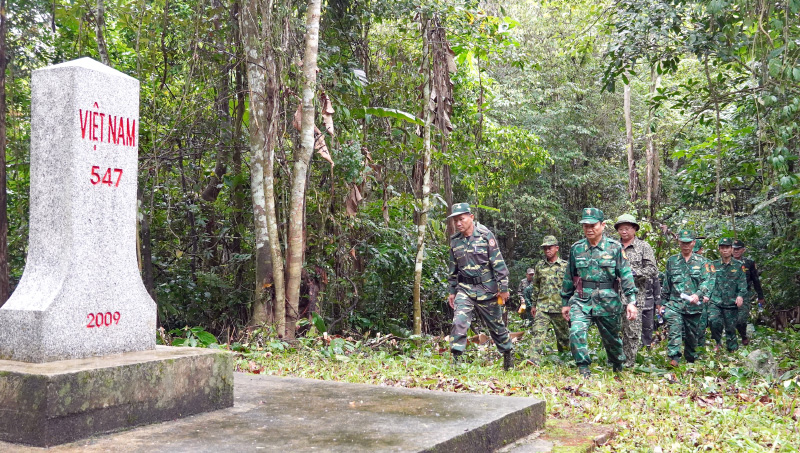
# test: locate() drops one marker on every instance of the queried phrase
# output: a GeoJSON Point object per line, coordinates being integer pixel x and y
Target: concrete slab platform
{"type": "Point", "coordinates": [302, 415]}
{"type": "Point", "coordinates": [51, 403]}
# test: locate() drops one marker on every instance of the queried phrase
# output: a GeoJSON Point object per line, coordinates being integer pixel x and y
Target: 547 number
{"type": "Point", "coordinates": [107, 178]}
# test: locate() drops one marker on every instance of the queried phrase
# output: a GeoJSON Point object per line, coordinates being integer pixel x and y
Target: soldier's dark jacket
{"type": "Point", "coordinates": [752, 277]}
{"type": "Point", "coordinates": [729, 281]}
{"type": "Point", "coordinates": [601, 264]}
{"type": "Point", "coordinates": [477, 257]}
{"type": "Point", "coordinates": [689, 277]}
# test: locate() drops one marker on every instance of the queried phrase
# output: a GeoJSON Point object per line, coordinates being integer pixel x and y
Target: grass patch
{"type": "Point", "coordinates": [717, 404]}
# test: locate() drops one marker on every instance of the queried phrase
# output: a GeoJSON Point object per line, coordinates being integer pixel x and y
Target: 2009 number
{"type": "Point", "coordinates": [107, 178]}
{"type": "Point", "coordinates": [102, 319]}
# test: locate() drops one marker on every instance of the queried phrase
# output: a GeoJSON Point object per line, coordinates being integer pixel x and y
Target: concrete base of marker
{"type": "Point", "coordinates": [44, 404]}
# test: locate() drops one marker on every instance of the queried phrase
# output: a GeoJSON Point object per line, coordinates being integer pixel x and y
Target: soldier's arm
{"type": "Point", "coordinates": [649, 268]}
{"type": "Point", "coordinates": [623, 272]}
{"type": "Point", "coordinates": [741, 283]}
{"type": "Point", "coordinates": [756, 281]}
{"type": "Point", "coordinates": [497, 263]}
{"type": "Point", "coordinates": [708, 279]}
{"type": "Point", "coordinates": [526, 294]}
{"type": "Point", "coordinates": [452, 278]}
{"type": "Point", "coordinates": [568, 287]}
{"type": "Point", "coordinates": [666, 289]}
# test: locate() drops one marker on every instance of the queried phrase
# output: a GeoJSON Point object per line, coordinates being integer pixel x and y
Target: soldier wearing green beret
{"type": "Point", "coordinates": [686, 281]}
{"type": "Point", "coordinates": [727, 295]}
{"type": "Point", "coordinates": [588, 292]}
{"type": "Point", "coordinates": [643, 266]}
{"type": "Point", "coordinates": [753, 289]}
{"type": "Point", "coordinates": [544, 299]}
{"type": "Point", "coordinates": [478, 283]}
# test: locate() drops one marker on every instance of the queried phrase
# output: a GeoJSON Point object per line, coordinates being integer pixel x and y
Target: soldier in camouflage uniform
{"type": "Point", "coordinates": [703, 325]}
{"type": "Point", "coordinates": [524, 308]}
{"type": "Point", "coordinates": [643, 266]}
{"type": "Point", "coordinates": [728, 289]}
{"type": "Point", "coordinates": [686, 283]}
{"type": "Point", "coordinates": [652, 306]}
{"type": "Point", "coordinates": [753, 289]}
{"type": "Point", "coordinates": [588, 292]}
{"type": "Point", "coordinates": [544, 299]}
{"type": "Point", "coordinates": [478, 276]}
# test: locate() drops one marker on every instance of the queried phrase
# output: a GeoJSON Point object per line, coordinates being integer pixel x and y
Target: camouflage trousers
{"type": "Point", "coordinates": [632, 337]}
{"type": "Point", "coordinates": [744, 316]}
{"type": "Point", "coordinates": [488, 311]}
{"type": "Point", "coordinates": [541, 322]}
{"type": "Point", "coordinates": [608, 326]}
{"type": "Point", "coordinates": [724, 318]}
{"type": "Point", "coordinates": [681, 331]}
{"type": "Point", "coordinates": [702, 326]}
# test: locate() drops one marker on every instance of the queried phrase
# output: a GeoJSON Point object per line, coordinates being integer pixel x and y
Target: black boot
{"type": "Point", "coordinates": [508, 360]}
{"type": "Point", "coordinates": [458, 358]}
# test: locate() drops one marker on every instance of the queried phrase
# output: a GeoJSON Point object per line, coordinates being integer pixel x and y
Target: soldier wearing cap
{"type": "Point", "coordinates": [753, 285]}
{"type": "Point", "coordinates": [544, 299]}
{"type": "Point", "coordinates": [643, 266]}
{"type": "Point", "coordinates": [524, 308]}
{"type": "Point", "coordinates": [478, 277]}
{"type": "Point", "coordinates": [686, 283]}
{"type": "Point", "coordinates": [728, 288]}
{"type": "Point", "coordinates": [588, 292]}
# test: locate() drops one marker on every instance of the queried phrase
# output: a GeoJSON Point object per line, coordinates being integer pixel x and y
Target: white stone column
{"type": "Point", "coordinates": [81, 294]}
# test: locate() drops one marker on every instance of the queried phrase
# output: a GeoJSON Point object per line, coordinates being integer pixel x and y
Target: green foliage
{"type": "Point", "coordinates": [193, 337]}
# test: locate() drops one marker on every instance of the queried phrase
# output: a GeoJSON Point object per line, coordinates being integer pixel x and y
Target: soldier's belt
{"type": "Point", "coordinates": [598, 285]}
{"type": "Point", "coordinates": [472, 280]}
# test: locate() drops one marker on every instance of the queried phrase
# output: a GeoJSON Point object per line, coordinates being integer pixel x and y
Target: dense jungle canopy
{"type": "Point", "coordinates": [681, 112]}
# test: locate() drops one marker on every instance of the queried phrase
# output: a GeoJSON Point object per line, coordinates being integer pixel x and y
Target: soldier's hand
{"type": "Point", "coordinates": [565, 312]}
{"type": "Point", "coordinates": [739, 301]}
{"type": "Point", "coordinates": [533, 312]}
{"type": "Point", "coordinates": [451, 300]}
{"type": "Point", "coordinates": [695, 299]}
{"type": "Point", "coordinates": [705, 299]}
{"type": "Point", "coordinates": [505, 295]}
{"type": "Point", "coordinates": [631, 311]}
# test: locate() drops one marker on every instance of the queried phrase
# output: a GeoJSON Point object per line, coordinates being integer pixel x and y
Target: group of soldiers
{"type": "Point", "coordinates": [612, 284]}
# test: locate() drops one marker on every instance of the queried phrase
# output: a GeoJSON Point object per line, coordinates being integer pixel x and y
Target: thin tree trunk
{"type": "Point", "coordinates": [263, 82]}
{"type": "Point", "coordinates": [422, 218]}
{"type": "Point", "coordinates": [633, 182]}
{"type": "Point", "coordinates": [296, 241]}
{"type": "Point", "coordinates": [4, 284]}
{"type": "Point", "coordinates": [100, 24]}
{"type": "Point", "coordinates": [650, 150]}
{"type": "Point", "coordinates": [718, 160]}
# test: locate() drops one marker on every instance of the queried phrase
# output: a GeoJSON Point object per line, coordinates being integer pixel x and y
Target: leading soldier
{"type": "Point", "coordinates": [478, 276]}
{"type": "Point", "coordinates": [643, 266]}
{"type": "Point", "coordinates": [753, 284]}
{"type": "Point", "coordinates": [588, 295]}
{"type": "Point", "coordinates": [728, 288]}
{"type": "Point", "coordinates": [686, 283]}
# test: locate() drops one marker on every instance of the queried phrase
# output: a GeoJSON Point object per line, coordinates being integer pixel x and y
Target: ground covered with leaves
{"type": "Point", "coordinates": [717, 404]}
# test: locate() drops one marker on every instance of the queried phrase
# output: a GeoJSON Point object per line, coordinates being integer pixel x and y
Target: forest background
{"type": "Point", "coordinates": [683, 113]}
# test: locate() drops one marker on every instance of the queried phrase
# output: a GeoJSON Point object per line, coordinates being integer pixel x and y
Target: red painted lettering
{"type": "Point", "coordinates": [121, 131]}
{"type": "Point", "coordinates": [131, 132]}
{"type": "Point", "coordinates": [112, 129]}
{"type": "Point", "coordinates": [107, 177]}
{"type": "Point", "coordinates": [94, 125]}
{"type": "Point", "coordinates": [84, 122]}
{"type": "Point", "coordinates": [102, 319]}
{"type": "Point", "coordinates": [102, 116]}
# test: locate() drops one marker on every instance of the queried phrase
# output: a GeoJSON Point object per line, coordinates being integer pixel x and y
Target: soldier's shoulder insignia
{"type": "Point", "coordinates": [712, 268]}
{"type": "Point", "coordinates": [492, 242]}
{"type": "Point", "coordinates": [743, 269]}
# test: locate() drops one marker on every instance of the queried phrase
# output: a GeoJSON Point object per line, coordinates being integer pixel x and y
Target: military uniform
{"type": "Point", "coordinates": [477, 275]}
{"type": "Point", "coordinates": [544, 295]}
{"type": "Point", "coordinates": [729, 282]}
{"type": "Point", "coordinates": [596, 268]}
{"type": "Point", "coordinates": [525, 313]}
{"type": "Point", "coordinates": [753, 290]}
{"type": "Point", "coordinates": [652, 298]}
{"type": "Point", "coordinates": [686, 277]}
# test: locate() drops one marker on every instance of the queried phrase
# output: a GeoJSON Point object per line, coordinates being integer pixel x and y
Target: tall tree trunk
{"type": "Point", "coordinates": [4, 284]}
{"type": "Point", "coordinates": [650, 150]}
{"type": "Point", "coordinates": [264, 85]}
{"type": "Point", "coordinates": [99, 25]}
{"type": "Point", "coordinates": [633, 176]}
{"type": "Point", "coordinates": [718, 161]}
{"type": "Point", "coordinates": [296, 241]}
{"type": "Point", "coordinates": [422, 218]}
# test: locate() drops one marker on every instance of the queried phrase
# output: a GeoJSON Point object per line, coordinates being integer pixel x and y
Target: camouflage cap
{"type": "Point", "coordinates": [685, 235]}
{"type": "Point", "coordinates": [738, 244]}
{"type": "Point", "coordinates": [697, 245]}
{"type": "Point", "coordinates": [459, 208]}
{"type": "Point", "coordinates": [626, 218]}
{"type": "Point", "coordinates": [548, 241]}
{"type": "Point", "coordinates": [726, 241]}
{"type": "Point", "coordinates": [592, 215]}
{"type": "Point", "coordinates": [531, 271]}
